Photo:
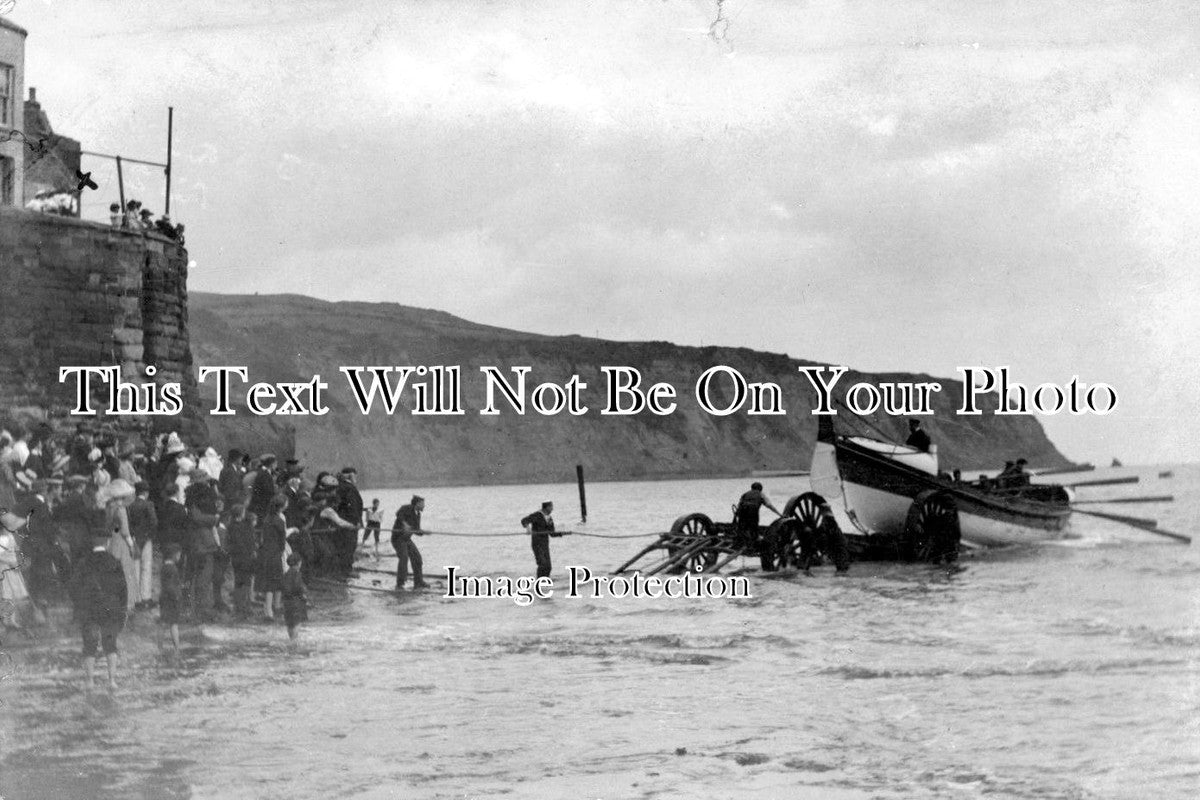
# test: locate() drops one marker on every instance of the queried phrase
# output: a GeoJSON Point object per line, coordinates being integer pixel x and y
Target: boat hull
{"type": "Point", "coordinates": [877, 492]}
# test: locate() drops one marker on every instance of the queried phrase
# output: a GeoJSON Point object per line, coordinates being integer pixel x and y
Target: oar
{"type": "Point", "coordinates": [1160, 498]}
{"type": "Point", "coordinates": [1149, 526]}
{"type": "Point", "coordinates": [1104, 482]}
{"type": "Point", "coordinates": [1142, 522]}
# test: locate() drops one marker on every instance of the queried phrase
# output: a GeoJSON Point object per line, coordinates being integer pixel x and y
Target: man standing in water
{"type": "Point", "coordinates": [100, 597]}
{"type": "Point", "coordinates": [407, 525]}
{"type": "Point", "coordinates": [349, 506]}
{"type": "Point", "coordinates": [540, 527]}
{"type": "Point", "coordinates": [747, 513]}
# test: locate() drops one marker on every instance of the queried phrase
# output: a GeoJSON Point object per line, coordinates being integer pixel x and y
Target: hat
{"type": "Point", "coordinates": [293, 559]}
{"type": "Point", "coordinates": [328, 480]}
{"type": "Point", "coordinates": [267, 458]}
{"type": "Point", "coordinates": [94, 454]}
{"type": "Point", "coordinates": [184, 465]}
{"type": "Point", "coordinates": [54, 481]}
{"type": "Point", "coordinates": [76, 480]}
{"type": "Point", "coordinates": [416, 499]}
{"type": "Point", "coordinates": [11, 522]}
{"type": "Point", "coordinates": [117, 489]}
{"type": "Point", "coordinates": [914, 423]}
{"type": "Point", "coordinates": [349, 471]}
{"type": "Point", "coordinates": [547, 503]}
{"type": "Point", "coordinates": [174, 444]}
{"type": "Point", "coordinates": [141, 486]}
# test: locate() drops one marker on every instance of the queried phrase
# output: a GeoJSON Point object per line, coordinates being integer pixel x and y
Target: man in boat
{"type": "Point", "coordinates": [1020, 477]}
{"type": "Point", "coordinates": [540, 527]}
{"type": "Point", "coordinates": [916, 437]}
{"type": "Point", "coordinates": [746, 515]}
{"type": "Point", "coordinates": [407, 525]}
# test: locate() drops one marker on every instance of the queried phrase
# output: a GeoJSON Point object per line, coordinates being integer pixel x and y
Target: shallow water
{"type": "Point", "coordinates": [1069, 670]}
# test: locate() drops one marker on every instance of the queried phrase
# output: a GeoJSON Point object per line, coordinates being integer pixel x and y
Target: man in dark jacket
{"type": "Point", "coordinates": [916, 437]}
{"type": "Point", "coordinates": [100, 594]}
{"type": "Point", "coordinates": [262, 491]}
{"type": "Point", "coordinates": [143, 527]}
{"type": "Point", "coordinates": [540, 527]}
{"type": "Point", "coordinates": [407, 525]}
{"type": "Point", "coordinates": [748, 506]}
{"type": "Point", "coordinates": [242, 543]}
{"type": "Point", "coordinates": [349, 507]}
{"type": "Point", "coordinates": [74, 516]}
{"type": "Point", "coordinates": [229, 485]}
{"type": "Point", "coordinates": [49, 566]}
{"type": "Point", "coordinates": [204, 510]}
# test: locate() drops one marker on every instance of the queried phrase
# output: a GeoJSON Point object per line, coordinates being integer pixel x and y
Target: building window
{"type": "Point", "coordinates": [8, 172]}
{"type": "Point", "coordinates": [7, 87]}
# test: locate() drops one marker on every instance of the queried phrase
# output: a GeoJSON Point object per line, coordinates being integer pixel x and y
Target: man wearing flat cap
{"type": "Point", "coordinates": [540, 527]}
{"type": "Point", "coordinates": [407, 525]}
{"type": "Point", "coordinates": [100, 594]}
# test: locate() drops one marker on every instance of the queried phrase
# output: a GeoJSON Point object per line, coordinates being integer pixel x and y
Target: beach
{"type": "Point", "coordinates": [1064, 671]}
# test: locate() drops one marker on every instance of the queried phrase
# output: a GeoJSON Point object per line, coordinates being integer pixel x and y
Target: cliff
{"type": "Point", "coordinates": [291, 338]}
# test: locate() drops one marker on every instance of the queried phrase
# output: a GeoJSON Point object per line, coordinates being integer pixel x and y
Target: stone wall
{"type": "Point", "coordinates": [78, 293]}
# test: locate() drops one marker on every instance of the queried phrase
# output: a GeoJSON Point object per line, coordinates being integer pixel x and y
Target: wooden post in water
{"type": "Point", "coordinates": [582, 494]}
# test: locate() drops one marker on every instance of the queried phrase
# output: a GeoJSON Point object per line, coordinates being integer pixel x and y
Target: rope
{"type": "Point", "coordinates": [482, 535]}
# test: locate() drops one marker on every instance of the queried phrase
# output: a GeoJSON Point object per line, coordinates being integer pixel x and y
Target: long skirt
{"type": "Point", "coordinates": [118, 546]}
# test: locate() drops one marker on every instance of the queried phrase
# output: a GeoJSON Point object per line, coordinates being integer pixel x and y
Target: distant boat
{"type": "Point", "coordinates": [1166, 473]}
{"type": "Point", "coordinates": [878, 482]}
{"type": "Point", "coordinates": [1117, 462]}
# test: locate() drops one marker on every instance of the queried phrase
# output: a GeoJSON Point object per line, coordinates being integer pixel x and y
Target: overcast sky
{"type": "Point", "coordinates": [889, 185]}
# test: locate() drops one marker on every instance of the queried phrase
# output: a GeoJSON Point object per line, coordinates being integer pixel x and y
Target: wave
{"type": "Point", "coordinates": [856, 672]}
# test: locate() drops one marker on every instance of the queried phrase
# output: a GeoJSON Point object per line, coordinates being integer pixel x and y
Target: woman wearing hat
{"type": "Point", "coordinates": [14, 597]}
{"type": "Point", "coordinates": [116, 497]}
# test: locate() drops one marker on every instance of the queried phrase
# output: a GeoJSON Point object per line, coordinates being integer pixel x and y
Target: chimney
{"type": "Point", "coordinates": [32, 94]}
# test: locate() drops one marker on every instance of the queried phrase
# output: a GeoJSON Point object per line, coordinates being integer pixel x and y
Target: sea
{"type": "Point", "coordinates": [1066, 670]}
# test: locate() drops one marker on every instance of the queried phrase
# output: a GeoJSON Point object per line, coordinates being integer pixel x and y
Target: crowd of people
{"type": "Point", "coordinates": [120, 525]}
{"type": "Point", "coordinates": [136, 218]}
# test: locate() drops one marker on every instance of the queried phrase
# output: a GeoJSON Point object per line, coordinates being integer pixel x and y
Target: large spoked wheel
{"type": "Point", "coordinates": [687, 533]}
{"type": "Point", "coordinates": [814, 533]}
{"type": "Point", "coordinates": [931, 531]}
{"type": "Point", "coordinates": [803, 516]}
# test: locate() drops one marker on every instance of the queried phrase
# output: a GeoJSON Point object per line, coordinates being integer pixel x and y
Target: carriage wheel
{"type": "Point", "coordinates": [803, 516]}
{"type": "Point", "coordinates": [931, 531]}
{"type": "Point", "coordinates": [694, 526]}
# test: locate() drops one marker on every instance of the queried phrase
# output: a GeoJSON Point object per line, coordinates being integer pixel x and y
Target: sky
{"type": "Point", "coordinates": [893, 185]}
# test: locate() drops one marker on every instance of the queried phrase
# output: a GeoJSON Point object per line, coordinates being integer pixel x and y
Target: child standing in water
{"type": "Point", "coordinates": [295, 597]}
{"type": "Point", "coordinates": [374, 523]}
{"type": "Point", "coordinates": [171, 597]}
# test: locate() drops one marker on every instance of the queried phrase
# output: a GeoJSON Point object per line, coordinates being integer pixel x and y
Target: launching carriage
{"type": "Point", "coordinates": [806, 534]}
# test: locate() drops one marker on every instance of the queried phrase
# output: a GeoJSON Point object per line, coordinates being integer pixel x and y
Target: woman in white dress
{"type": "Point", "coordinates": [14, 597]}
{"type": "Point", "coordinates": [116, 497]}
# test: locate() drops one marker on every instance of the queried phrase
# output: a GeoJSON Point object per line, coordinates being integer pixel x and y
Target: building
{"type": "Point", "coordinates": [52, 169]}
{"type": "Point", "coordinates": [12, 114]}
